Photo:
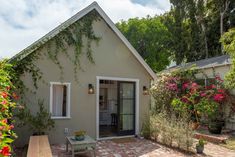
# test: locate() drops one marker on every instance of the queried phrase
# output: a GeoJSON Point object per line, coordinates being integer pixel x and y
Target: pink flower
{"type": "Point", "coordinates": [218, 97]}
{"type": "Point", "coordinates": [202, 94]}
{"type": "Point", "coordinates": [11, 127]}
{"type": "Point", "coordinates": [172, 86]}
{"type": "Point", "coordinates": [194, 85]}
{"type": "Point", "coordinates": [213, 86]}
{"type": "Point", "coordinates": [4, 102]}
{"type": "Point", "coordinates": [218, 78]}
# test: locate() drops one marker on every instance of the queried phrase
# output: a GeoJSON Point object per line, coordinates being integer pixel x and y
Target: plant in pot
{"type": "Point", "coordinates": [216, 123]}
{"type": "Point", "coordinates": [80, 135]}
{"type": "Point", "coordinates": [200, 146]}
{"type": "Point", "coordinates": [38, 123]}
{"type": "Point", "coordinates": [216, 118]}
{"type": "Point", "coordinates": [212, 105]}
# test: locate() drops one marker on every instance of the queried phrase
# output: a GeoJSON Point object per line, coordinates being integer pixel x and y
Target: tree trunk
{"type": "Point", "coordinates": [223, 10]}
{"type": "Point", "coordinates": [205, 38]}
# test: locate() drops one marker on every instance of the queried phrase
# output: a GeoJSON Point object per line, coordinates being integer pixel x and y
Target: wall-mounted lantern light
{"type": "Point", "coordinates": [145, 90]}
{"type": "Point", "coordinates": [90, 89]}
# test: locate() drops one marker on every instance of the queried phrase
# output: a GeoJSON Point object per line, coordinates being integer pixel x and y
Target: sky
{"type": "Point", "coordinates": [24, 21]}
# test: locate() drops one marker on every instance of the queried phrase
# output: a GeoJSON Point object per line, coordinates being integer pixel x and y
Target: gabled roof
{"type": "Point", "coordinates": [73, 19]}
{"type": "Point", "coordinates": [206, 63]}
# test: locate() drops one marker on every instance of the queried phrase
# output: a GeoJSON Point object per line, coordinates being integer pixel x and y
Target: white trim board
{"type": "Point", "coordinates": [98, 78]}
{"type": "Point", "coordinates": [72, 20]}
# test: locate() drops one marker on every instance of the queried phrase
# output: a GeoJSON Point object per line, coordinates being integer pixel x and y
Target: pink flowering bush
{"type": "Point", "coordinates": [200, 100]}
{"type": "Point", "coordinates": [180, 93]}
{"type": "Point", "coordinates": [7, 97]}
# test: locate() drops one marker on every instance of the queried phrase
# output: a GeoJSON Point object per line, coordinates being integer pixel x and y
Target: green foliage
{"type": "Point", "coordinates": [195, 26]}
{"type": "Point", "coordinates": [186, 73]}
{"type": "Point", "coordinates": [150, 38]}
{"type": "Point", "coordinates": [172, 131]}
{"type": "Point", "coordinates": [38, 123]}
{"type": "Point", "coordinates": [228, 41]}
{"type": "Point", "coordinates": [201, 142]}
{"type": "Point", "coordinates": [146, 128]}
{"type": "Point", "coordinates": [208, 107]}
{"type": "Point", "coordinates": [78, 36]}
{"type": "Point", "coordinates": [7, 105]}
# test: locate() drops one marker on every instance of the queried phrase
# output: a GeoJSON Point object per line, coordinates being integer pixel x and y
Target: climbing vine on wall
{"type": "Point", "coordinates": [79, 36]}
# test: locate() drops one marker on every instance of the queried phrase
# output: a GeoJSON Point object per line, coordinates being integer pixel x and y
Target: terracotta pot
{"type": "Point", "coordinates": [195, 125]}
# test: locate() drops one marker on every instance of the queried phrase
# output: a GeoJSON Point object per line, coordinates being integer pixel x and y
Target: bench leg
{"type": "Point", "coordinates": [67, 143]}
{"type": "Point", "coordinates": [73, 151]}
{"type": "Point", "coordinates": [94, 153]}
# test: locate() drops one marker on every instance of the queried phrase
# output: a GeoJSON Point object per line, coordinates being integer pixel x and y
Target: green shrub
{"type": "Point", "coordinates": [38, 123]}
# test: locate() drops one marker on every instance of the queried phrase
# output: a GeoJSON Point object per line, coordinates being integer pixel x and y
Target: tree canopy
{"type": "Point", "coordinates": [190, 31]}
{"type": "Point", "coordinates": [151, 39]}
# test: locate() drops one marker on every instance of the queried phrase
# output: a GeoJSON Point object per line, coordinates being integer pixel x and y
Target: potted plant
{"type": "Point", "coordinates": [200, 146]}
{"type": "Point", "coordinates": [80, 135]}
{"type": "Point", "coordinates": [216, 123]}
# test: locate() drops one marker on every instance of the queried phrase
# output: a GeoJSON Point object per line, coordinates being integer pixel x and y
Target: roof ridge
{"type": "Point", "coordinates": [94, 5]}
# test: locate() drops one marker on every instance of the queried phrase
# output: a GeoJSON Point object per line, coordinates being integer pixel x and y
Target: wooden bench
{"type": "Point", "coordinates": [39, 147]}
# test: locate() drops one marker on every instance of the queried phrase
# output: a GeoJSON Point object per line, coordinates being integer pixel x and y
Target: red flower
{"type": "Point", "coordinates": [5, 151]}
{"type": "Point", "coordinates": [185, 85]}
{"type": "Point", "coordinates": [185, 99]}
{"type": "Point", "coordinates": [3, 109]}
{"type": "Point", "coordinates": [4, 121]}
{"type": "Point", "coordinates": [218, 78]}
{"type": "Point", "coordinates": [15, 96]}
{"type": "Point", "coordinates": [8, 87]}
{"type": "Point", "coordinates": [219, 97]}
{"type": "Point", "coordinates": [221, 90]}
{"type": "Point", "coordinates": [4, 94]}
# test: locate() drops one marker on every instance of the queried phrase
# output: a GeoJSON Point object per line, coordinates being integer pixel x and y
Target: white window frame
{"type": "Point", "coordinates": [68, 84]}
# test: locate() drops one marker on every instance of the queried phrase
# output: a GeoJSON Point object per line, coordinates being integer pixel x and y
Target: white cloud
{"type": "Point", "coordinates": [24, 21]}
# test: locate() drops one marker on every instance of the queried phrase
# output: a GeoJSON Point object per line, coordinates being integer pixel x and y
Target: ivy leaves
{"type": "Point", "coordinates": [74, 36]}
{"type": "Point", "coordinates": [79, 35]}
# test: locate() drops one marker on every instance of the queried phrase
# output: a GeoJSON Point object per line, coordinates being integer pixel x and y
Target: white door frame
{"type": "Point", "coordinates": [98, 78]}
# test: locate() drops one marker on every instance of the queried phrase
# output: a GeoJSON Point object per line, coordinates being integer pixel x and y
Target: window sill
{"type": "Point", "coordinates": [60, 117]}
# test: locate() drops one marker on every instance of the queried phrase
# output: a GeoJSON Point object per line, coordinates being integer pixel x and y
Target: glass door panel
{"type": "Point", "coordinates": [126, 108]}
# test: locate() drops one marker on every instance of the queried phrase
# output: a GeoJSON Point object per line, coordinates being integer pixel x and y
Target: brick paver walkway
{"type": "Point", "coordinates": [142, 148]}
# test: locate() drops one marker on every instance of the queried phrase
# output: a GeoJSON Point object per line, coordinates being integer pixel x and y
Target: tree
{"type": "Point", "coordinates": [205, 21]}
{"type": "Point", "coordinates": [228, 42]}
{"type": "Point", "coordinates": [150, 38]}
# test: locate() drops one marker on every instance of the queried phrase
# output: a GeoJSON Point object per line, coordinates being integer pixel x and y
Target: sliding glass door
{"type": "Point", "coordinates": [126, 108]}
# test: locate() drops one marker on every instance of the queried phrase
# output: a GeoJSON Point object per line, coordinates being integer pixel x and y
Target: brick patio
{"type": "Point", "coordinates": [143, 148]}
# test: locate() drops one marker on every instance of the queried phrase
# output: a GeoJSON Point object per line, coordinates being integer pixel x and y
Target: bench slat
{"type": "Point", "coordinates": [39, 147]}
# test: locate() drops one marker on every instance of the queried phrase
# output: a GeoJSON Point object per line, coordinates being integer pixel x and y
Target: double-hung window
{"type": "Point", "coordinates": [60, 100]}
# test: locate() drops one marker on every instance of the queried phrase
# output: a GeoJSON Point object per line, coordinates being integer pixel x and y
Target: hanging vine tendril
{"type": "Point", "coordinates": [73, 36]}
